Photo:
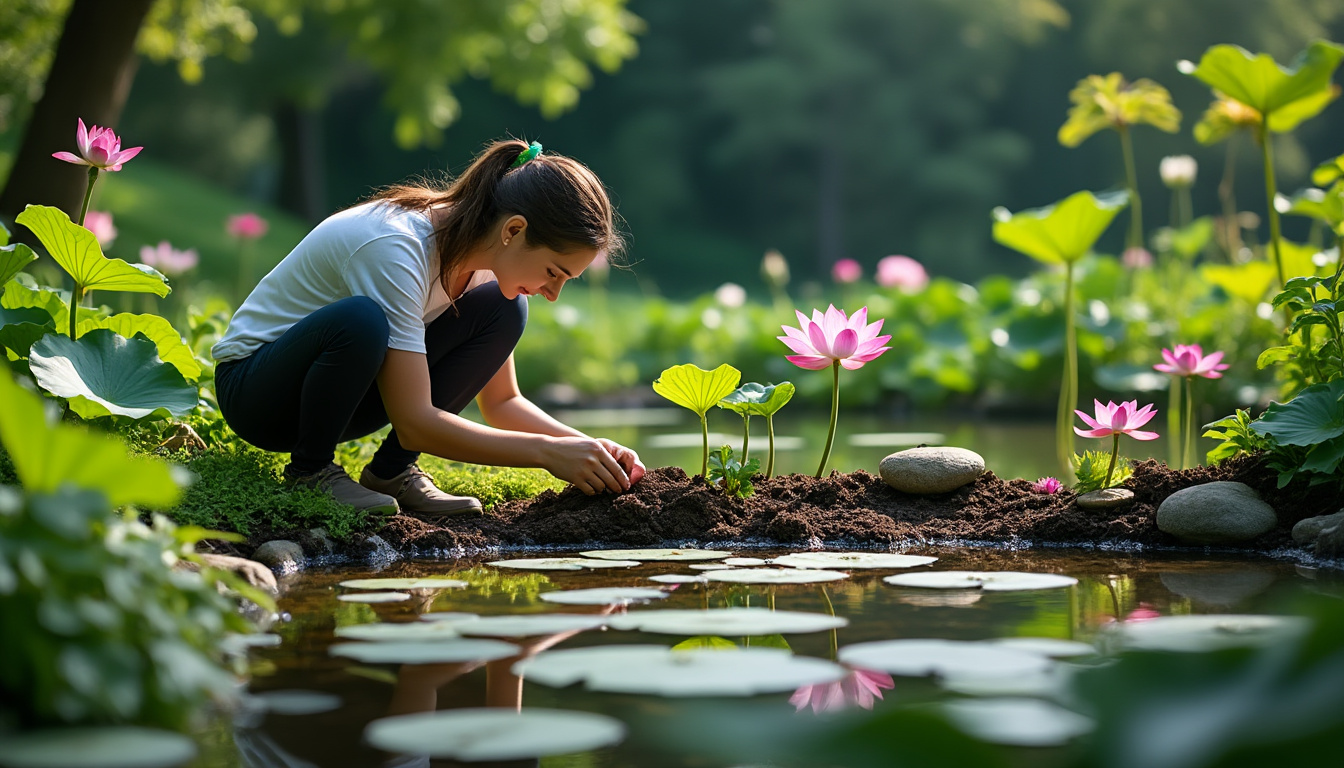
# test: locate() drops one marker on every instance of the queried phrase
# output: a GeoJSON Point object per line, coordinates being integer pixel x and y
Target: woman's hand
{"type": "Point", "coordinates": [628, 459]}
{"type": "Point", "coordinates": [589, 464]}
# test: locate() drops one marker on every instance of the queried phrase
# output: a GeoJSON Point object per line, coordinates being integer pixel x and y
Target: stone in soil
{"type": "Point", "coordinates": [1220, 512]}
{"type": "Point", "coordinates": [931, 470]}
{"type": "Point", "coordinates": [1106, 498]}
{"type": "Point", "coordinates": [280, 555]}
{"type": "Point", "coordinates": [1307, 531]}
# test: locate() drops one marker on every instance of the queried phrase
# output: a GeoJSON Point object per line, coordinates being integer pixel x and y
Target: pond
{"type": "Point", "coordinates": [698, 732]}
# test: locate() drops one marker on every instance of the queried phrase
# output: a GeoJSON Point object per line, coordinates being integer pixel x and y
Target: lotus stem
{"type": "Point", "coordinates": [76, 296]}
{"type": "Point", "coordinates": [835, 413]}
{"type": "Point", "coordinates": [770, 462]}
{"type": "Point", "coordinates": [1068, 390]}
{"type": "Point", "coordinates": [704, 447]}
{"type": "Point", "coordinates": [1227, 194]}
{"type": "Point", "coordinates": [88, 195]}
{"type": "Point", "coordinates": [1115, 452]}
{"type": "Point", "coordinates": [746, 436]}
{"type": "Point", "coordinates": [1135, 238]}
{"type": "Point", "coordinates": [1177, 453]}
{"type": "Point", "coordinates": [1188, 434]}
{"type": "Point", "coordinates": [1271, 191]}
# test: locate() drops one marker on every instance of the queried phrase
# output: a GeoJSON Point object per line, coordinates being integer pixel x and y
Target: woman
{"type": "Point", "coordinates": [403, 309]}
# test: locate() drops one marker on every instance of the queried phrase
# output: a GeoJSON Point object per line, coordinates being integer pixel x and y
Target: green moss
{"type": "Point", "coordinates": [492, 485]}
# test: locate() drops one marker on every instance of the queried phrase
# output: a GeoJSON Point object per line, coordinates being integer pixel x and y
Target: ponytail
{"type": "Point", "coordinates": [565, 204]}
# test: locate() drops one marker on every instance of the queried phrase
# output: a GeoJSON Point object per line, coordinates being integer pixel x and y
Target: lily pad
{"type": "Point", "coordinates": [730, 622]}
{"type": "Point", "coordinates": [1054, 683]}
{"type": "Point", "coordinates": [881, 560]}
{"type": "Point", "coordinates": [1017, 722]}
{"type": "Point", "coordinates": [775, 576]}
{"type": "Point", "coordinates": [104, 373]}
{"type": "Point", "coordinates": [746, 562]}
{"type": "Point", "coordinates": [238, 644]}
{"type": "Point", "coordinates": [657, 555]}
{"type": "Point", "coordinates": [607, 596]}
{"type": "Point", "coordinates": [660, 671]}
{"type": "Point", "coordinates": [1208, 632]}
{"type": "Point", "coordinates": [1053, 647]}
{"type": "Point", "coordinates": [561, 563]}
{"type": "Point", "coordinates": [374, 597]}
{"type": "Point", "coordinates": [397, 584]}
{"type": "Point", "coordinates": [494, 734]}
{"type": "Point", "coordinates": [943, 658]}
{"type": "Point", "coordinates": [529, 625]}
{"type": "Point", "coordinates": [709, 566]}
{"type": "Point", "coordinates": [296, 702]}
{"type": "Point", "coordinates": [112, 746]}
{"type": "Point", "coordinates": [400, 631]}
{"type": "Point", "coordinates": [451, 651]}
{"type": "Point", "coordinates": [447, 616]}
{"type": "Point", "coordinates": [679, 578]}
{"type": "Point", "coordinates": [989, 581]}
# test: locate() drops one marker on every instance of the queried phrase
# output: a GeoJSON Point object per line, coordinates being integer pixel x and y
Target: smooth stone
{"type": "Point", "coordinates": [1106, 498]}
{"type": "Point", "coordinates": [931, 470]}
{"type": "Point", "coordinates": [1221, 512]}
{"type": "Point", "coordinates": [252, 572]}
{"type": "Point", "coordinates": [1308, 530]}
{"type": "Point", "coordinates": [1224, 589]}
{"type": "Point", "coordinates": [280, 555]}
{"type": "Point", "coordinates": [317, 542]}
{"type": "Point", "coordinates": [1331, 542]}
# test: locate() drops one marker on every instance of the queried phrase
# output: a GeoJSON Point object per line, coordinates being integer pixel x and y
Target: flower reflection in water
{"type": "Point", "coordinates": [861, 686]}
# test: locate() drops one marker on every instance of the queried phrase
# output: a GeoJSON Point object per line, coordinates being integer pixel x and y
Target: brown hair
{"type": "Point", "coordinates": [565, 204]}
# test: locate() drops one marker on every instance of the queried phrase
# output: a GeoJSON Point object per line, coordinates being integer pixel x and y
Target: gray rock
{"type": "Point", "coordinates": [1331, 542]}
{"type": "Point", "coordinates": [1106, 498]}
{"type": "Point", "coordinates": [1221, 589]}
{"type": "Point", "coordinates": [1220, 512]}
{"type": "Point", "coordinates": [317, 542]}
{"type": "Point", "coordinates": [931, 470]}
{"type": "Point", "coordinates": [1307, 530]}
{"type": "Point", "coordinates": [280, 555]}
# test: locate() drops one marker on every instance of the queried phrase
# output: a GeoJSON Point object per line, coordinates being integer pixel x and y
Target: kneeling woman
{"type": "Point", "coordinates": [403, 309]}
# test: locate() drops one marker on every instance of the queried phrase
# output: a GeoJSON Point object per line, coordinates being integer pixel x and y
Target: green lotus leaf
{"type": "Point", "coordinates": [1326, 457]}
{"type": "Point", "coordinates": [13, 258]}
{"type": "Point", "coordinates": [754, 399]}
{"type": "Point", "coordinates": [77, 251]}
{"type": "Point", "coordinates": [1298, 258]}
{"type": "Point", "coordinates": [20, 296]}
{"type": "Point", "coordinates": [693, 387]}
{"type": "Point", "coordinates": [1059, 233]}
{"type": "Point", "coordinates": [172, 349]}
{"type": "Point", "coordinates": [1329, 172]}
{"type": "Point", "coordinates": [1108, 101]}
{"type": "Point", "coordinates": [705, 643]}
{"type": "Point", "coordinates": [1289, 116]}
{"type": "Point", "coordinates": [1189, 241]}
{"type": "Point", "coordinates": [18, 315]}
{"type": "Point", "coordinates": [1248, 282]}
{"type": "Point", "coordinates": [104, 373]}
{"type": "Point", "coordinates": [1319, 204]}
{"type": "Point", "coordinates": [4, 234]}
{"type": "Point", "coordinates": [1261, 83]}
{"type": "Point", "coordinates": [18, 338]}
{"type": "Point", "coordinates": [47, 454]}
{"type": "Point", "coordinates": [1314, 416]}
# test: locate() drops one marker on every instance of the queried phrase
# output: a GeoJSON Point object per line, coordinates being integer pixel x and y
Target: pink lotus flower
{"type": "Point", "coordinates": [1144, 612]}
{"type": "Point", "coordinates": [246, 226]}
{"type": "Point", "coordinates": [826, 339]}
{"type": "Point", "coordinates": [168, 259]}
{"type": "Point", "coordinates": [1122, 419]}
{"type": "Point", "coordinates": [1136, 258]}
{"type": "Point", "coordinates": [902, 272]}
{"type": "Point", "coordinates": [861, 686]}
{"type": "Point", "coordinates": [846, 271]}
{"type": "Point", "coordinates": [99, 148]}
{"type": "Point", "coordinates": [100, 224]}
{"type": "Point", "coordinates": [1190, 360]}
{"type": "Point", "coordinates": [1047, 485]}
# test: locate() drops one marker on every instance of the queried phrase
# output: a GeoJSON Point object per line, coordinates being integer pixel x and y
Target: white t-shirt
{"type": "Point", "coordinates": [379, 250]}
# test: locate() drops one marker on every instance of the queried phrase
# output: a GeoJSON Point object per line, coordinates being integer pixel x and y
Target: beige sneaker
{"type": "Point", "coordinates": [417, 494]}
{"type": "Point", "coordinates": [333, 479]}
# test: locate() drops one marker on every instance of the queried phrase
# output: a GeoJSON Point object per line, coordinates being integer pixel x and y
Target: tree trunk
{"type": "Point", "coordinates": [302, 180]}
{"type": "Point", "coordinates": [90, 78]}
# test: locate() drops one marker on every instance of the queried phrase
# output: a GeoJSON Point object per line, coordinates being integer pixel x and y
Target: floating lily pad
{"type": "Point", "coordinates": [679, 578]}
{"type": "Point", "coordinates": [1054, 683]}
{"type": "Point", "coordinates": [528, 625]}
{"type": "Point", "coordinates": [1047, 646]}
{"type": "Point", "coordinates": [397, 584]}
{"type": "Point", "coordinates": [743, 562]}
{"type": "Point", "coordinates": [852, 560]}
{"type": "Point", "coordinates": [374, 597]}
{"type": "Point", "coordinates": [1208, 633]}
{"type": "Point", "coordinates": [494, 734]}
{"type": "Point", "coordinates": [989, 581]}
{"type": "Point", "coordinates": [296, 702]}
{"type": "Point", "coordinates": [775, 576]}
{"type": "Point", "coordinates": [730, 622]}
{"type": "Point", "coordinates": [561, 563]}
{"type": "Point", "coordinates": [660, 671]}
{"type": "Point", "coordinates": [607, 596]}
{"type": "Point", "coordinates": [940, 598]}
{"type": "Point", "coordinates": [652, 555]}
{"type": "Point", "coordinates": [944, 658]}
{"type": "Point", "coordinates": [451, 651]}
{"type": "Point", "coordinates": [416, 630]}
{"type": "Point", "coordinates": [447, 616]}
{"type": "Point", "coordinates": [237, 644]}
{"type": "Point", "coordinates": [709, 566]}
{"type": "Point", "coordinates": [1017, 722]}
{"type": "Point", "coordinates": [113, 746]}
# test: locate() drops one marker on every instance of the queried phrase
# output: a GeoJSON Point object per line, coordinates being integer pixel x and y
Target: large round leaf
{"type": "Point", "coordinates": [1314, 416]}
{"type": "Point", "coordinates": [758, 400]}
{"type": "Point", "coordinates": [1107, 101]}
{"type": "Point", "coordinates": [1248, 282]}
{"type": "Point", "coordinates": [18, 338]}
{"type": "Point", "coordinates": [77, 251]}
{"type": "Point", "coordinates": [172, 349]}
{"type": "Point", "coordinates": [13, 258]}
{"type": "Point", "coordinates": [693, 387]}
{"type": "Point", "coordinates": [20, 296]}
{"type": "Point", "coordinates": [1261, 83]}
{"type": "Point", "coordinates": [1059, 233]}
{"type": "Point", "coordinates": [103, 373]}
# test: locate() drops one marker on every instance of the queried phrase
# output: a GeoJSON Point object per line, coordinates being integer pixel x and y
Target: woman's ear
{"type": "Point", "coordinates": [514, 226]}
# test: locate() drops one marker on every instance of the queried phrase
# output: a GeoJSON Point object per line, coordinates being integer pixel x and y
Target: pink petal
{"type": "Point", "coordinates": [1143, 435]}
{"type": "Point", "coordinates": [800, 347]}
{"type": "Point", "coordinates": [801, 698]}
{"type": "Point", "coordinates": [802, 319]}
{"type": "Point", "coordinates": [1105, 413]}
{"type": "Point", "coordinates": [835, 322]}
{"type": "Point", "coordinates": [1142, 417]}
{"type": "Point", "coordinates": [1094, 432]}
{"type": "Point", "coordinates": [1166, 355]}
{"type": "Point", "coordinates": [845, 344]}
{"type": "Point", "coordinates": [1210, 363]}
{"type": "Point", "coordinates": [70, 158]}
{"type": "Point", "coordinates": [794, 333]}
{"type": "Point", "coordinates": [872, 329]}
{"type": "Point", "coordinates": [1163, 367]}
{"type": "Point", "coordinates": [82, 137]}
{"type": "Point", "coordinates": [859, 319]}
{"type": "Point", "coordinates": [868, 357]}
{"type": "Point", "coordinates": [820, 341]}
{"type": "Point", "coordinates": [852, 363]}
{"type": "Point", "coordinates": [810, 362]}
{"type": "Point", "coordinates": [1088, 420]}
{"type": "Point", "coordinates": [872, 345]}
{"type": "Point", "coordinates": [127, 154]}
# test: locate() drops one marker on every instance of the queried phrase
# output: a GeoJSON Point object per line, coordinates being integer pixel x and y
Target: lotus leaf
{"type": "Point", "coordinates": [1327, 207]}
{"type": "Point", "coordinates": [758, 400]}
{"type": "Point", "coordinates": [604, 596]}
{"type": "Point", "coordinates": [1059, 233]}
{"type": "Point", "coordinates": [172, 349]}
{"type": "Point", "coordinates": [529, 625]}
{"type": "Point", "coordinates": [473, 735]}
{"type": "Point", "coordinates": [296, 702]}
{"type": "Point", "coordinates": [77, 251]}
{"type": "Point", "coordinates": [430, 582]}
{"type": "Point", "coordinates": [448, 651]}
{"type": "Point", "coordinates": [654, 555]}
{"type": "Point", "coordinates": [1261, 83]}
{"type": "Point", "coordinates": [679, 578]}
{"type": "Point", "coordinates": [945, 658]}
{"type": "Point", "coordinates": [561, 563]}
{"type": "Point", "coordinates": [853, 560]}
{"type": "Point", "coordinates": [1314, 416]}
{"type": "Point", "coordinates": [13, 258]}
{"type": "Point", "coordinates": [732, 622]}
{"type": "Point", "coordinates": [695, 388]}
{"type": "Point", "coordinates": [1107, 101]}
{"type": "Point", "coordinates": [447, 616]}
{"type": "Point", "coordinates": [104, 373]}
{"type": "Point", "coordinates": [18, 338]}
{"type": "Point", "coordinates": [706, 643]}
{"type": "Point", "coordinates": [1198, 634]}
{"type": "Point", "coordinates": [1018, 722]}
{"type": "Point", "coordinates": [402, 631]}
{"type": "Point", "coordinates": [1047, 646]}
{"type": "Point", "coordinates": [1329, 172]}
{"type": "Point", "coordinates": [374, 597]}
{"type": "Point", "coordinates": [1248, 282]}
{"type": "Point", "coordinates": [48, 455]}
{"type": "Point", "coordinates": [20, 296]}
{"type": "Point", "coordinates": [775, 576]}
{"type": "Point", "coordinates": [990, 581]}
{"type": "Point", "coordinates": [108, 746]}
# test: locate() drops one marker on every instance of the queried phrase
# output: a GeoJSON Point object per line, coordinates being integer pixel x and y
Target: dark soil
{"type": "Point", "coordinates": [856, 509]}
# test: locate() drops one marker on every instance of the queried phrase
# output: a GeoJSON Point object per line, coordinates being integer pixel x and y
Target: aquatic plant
{"type": "Point", "coordinates": [1113, 421]}
{"type": "Point", "coordinates": [830, 341]}
{"type": "Point", "coordinates": [691, 386]}
{"type": "Point", "coordinates": [733, 474]}
{"type": "Point", "coordinates": [754, 399]}
{"type": "Point", "coordinates": [1187, 362]}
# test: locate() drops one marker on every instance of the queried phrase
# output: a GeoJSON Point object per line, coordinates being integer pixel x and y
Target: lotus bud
{"type": "Point", "coordinates": [1178, 171]}
{"type": "Point", "coordinates": [775, 269]}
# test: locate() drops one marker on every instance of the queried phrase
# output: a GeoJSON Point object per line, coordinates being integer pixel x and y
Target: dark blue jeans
{"type": "Point", "coordinates": [315, 386]}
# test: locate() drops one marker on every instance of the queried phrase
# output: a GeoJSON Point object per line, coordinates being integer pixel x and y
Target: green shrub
{"type": "Point", "coordinates": [492, 485]}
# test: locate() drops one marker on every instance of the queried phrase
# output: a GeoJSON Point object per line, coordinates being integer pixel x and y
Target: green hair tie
{"type": "Point", "coordinates": [530, 153]}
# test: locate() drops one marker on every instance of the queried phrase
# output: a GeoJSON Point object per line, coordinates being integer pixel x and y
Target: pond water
{"type": "Point", "coordinates": [663, 731]}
